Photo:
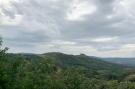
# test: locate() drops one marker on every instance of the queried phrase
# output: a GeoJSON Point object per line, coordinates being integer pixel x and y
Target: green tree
{"type": "Point", "coordinates": [126, 85]}
{"type": "Point", "coordinates": [4, 68]}
{"type": "Point", "coordinates": [2, 51]}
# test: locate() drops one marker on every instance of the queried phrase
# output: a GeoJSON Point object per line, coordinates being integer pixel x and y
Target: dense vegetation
{"type": "Point", "coordinates": [61, 71]}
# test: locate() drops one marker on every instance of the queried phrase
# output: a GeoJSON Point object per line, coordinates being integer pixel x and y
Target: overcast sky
{"type": "Point", "coordinates": [104, 28]}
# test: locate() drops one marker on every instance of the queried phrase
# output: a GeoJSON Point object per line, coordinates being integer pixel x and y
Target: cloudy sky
{"type": "Point", "coordinates": [104, 28]}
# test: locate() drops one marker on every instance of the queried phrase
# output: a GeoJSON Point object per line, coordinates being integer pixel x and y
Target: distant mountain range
{"type": "Point", "coordinates": [123, 61]}
{"type": "Point", "coordinates": [82, 59]}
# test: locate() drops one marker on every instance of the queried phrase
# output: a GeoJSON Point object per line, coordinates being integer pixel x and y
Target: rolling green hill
{"type": "Point", "coordinates": [82, 60]}
{"type": "Point", "coordinates": [91, 66]}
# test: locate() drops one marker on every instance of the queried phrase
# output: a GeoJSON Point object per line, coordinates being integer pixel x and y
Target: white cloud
{"type": "Point", "coordinates": [6, 20]}
{"type": "Point", "coordinates": [60, 42]}
{"type": "Point", "coordinates": [125, 8]}
{"type": "Point", "coordinates": [129, 6]}
{"type": "Point", "coordinates": [79, 9]}
{"type": "Point", "coordinates": [105, 39]}
{"type": "Point", "coordinates": [5, 2]}
{"type": "Point", "coordinates": [131, 46]}
{"type": "Point", "coordinates": [6, 5]}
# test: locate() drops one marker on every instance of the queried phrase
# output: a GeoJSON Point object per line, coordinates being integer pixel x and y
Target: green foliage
{"type": "Point", "coordinates": [2, 51]}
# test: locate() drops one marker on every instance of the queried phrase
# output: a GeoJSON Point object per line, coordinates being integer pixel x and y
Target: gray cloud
{"type": "Point", "coordinates": [41, 24]}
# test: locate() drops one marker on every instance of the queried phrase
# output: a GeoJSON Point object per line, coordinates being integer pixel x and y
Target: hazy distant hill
{"type": "Point", "coordinates": [123, 61]}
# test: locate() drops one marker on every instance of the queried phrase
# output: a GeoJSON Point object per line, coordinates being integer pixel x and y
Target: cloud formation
{"type": "Point", "coordinates": [94, 27]}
